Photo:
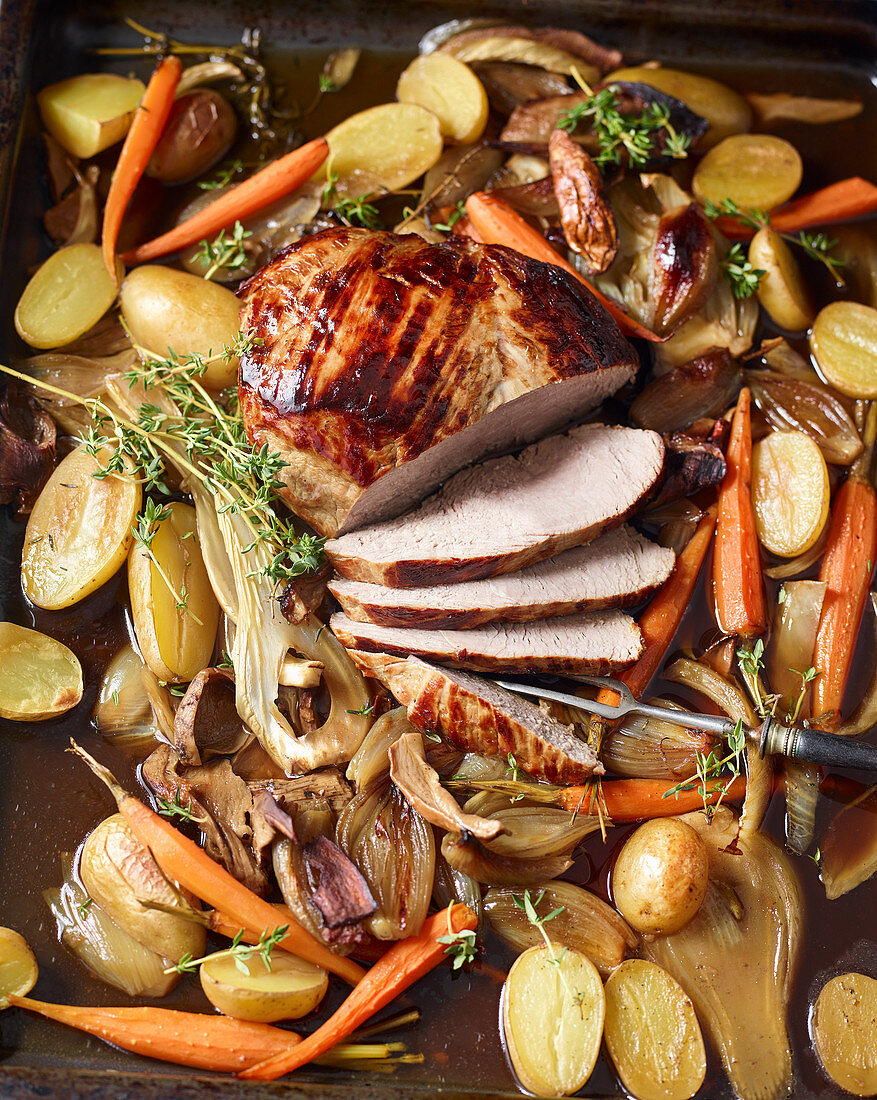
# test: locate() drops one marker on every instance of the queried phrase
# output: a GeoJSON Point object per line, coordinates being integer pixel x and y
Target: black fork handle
{"type": "Point", "coordinates": [813, 746]}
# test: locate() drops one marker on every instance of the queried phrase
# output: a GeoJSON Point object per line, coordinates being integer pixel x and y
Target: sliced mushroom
{"type": "Point", "coordinates": [304, 594]}
{"type": "Point", "coordinates": [684, 267]}
{"type": "Point", "coordinates": [421, 786]}
{"type": "Point", "coordinates": [27, 448]}
{"type": "Point", "coordinates": [572, 42]}
{"type": "Point", "coordinates": [587, 218]}
{"type": "Point", "coordinates": [326, 786]}
{"type": "Point", "coordinates": [342, 894]}
{"type": "Point", "coordinates": [222, 805]}
{"type": "Point", "coordinates": [207, 723]}
{"type": "Point", "coordinates": [535, 122]}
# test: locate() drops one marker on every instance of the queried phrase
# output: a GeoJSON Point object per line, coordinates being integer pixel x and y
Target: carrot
{"type": "Point", "coordinates": [737, 586]}
{"type": "Point", "coordinates": [839, 202]}
{"type": "Point", "coordinates": [405, 962]}
{"type": "Point", "coordinates": [216, 1043]}
{"type": "Point", "coordinates": [847, 568]}
{"type": "Point", "coordinates": [140, 142]}
{"type": "Point", "coordinates": [632, 799]}
{"type": "Point", "coordinates": [184, 862]}
{"type": "Point", "coordinates": [268, 185]}
{"type": "Point", "coordinates": [494, 221]}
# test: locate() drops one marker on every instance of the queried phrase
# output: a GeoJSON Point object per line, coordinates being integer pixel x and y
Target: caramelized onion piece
{"type": "Point", "coordinates": [685, 267]}
{"type": "Point", "coordinates": [649, 748]}
{"type": "Point", "coordinates": [27, 448]}
{"type": "Point", "coordinates": [394, 848]}
{"type": "Point", "coordinates": [585, 922]}
{"type": "Point", "coordinates": [450, 885]}
{"type": "Point", "coordinates": [736, 958]}
{"type": "Point", "coordinates": [509, 84]}
{"type": "Point", "coordinates": [421, 786]}
{"type": "Point", "coordinates": [371, 762]}
{"type": "Point", "coordinates": [706, 386]}
{"type": "Point", "coordinates": [790, 403]}
{"type": "Point", "coordinates": [531, 830]}
{"type": "Point", "coordinates": [470, 857]}
{"type": "Point", "coordinates": [587, 218]}
{"type": "Point", "coordinates": [849, 850]}
{"type": "Point", "coordinates": [122, 713]}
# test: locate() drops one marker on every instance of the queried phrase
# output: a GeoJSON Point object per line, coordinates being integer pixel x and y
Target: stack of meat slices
{"type": "Point", "coordinates": [386, 365]}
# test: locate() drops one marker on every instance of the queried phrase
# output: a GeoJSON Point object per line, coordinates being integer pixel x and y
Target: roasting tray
{"type": "Point", "coordinates": [42, 41]}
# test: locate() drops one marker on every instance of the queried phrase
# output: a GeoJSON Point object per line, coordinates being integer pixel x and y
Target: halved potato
{"type": "Point", "coordinates": [652, 1033]}
{"type": "Point", "coordinates": [844, 1024]}
{"type": "Point", "coordinates": [291, 988]}
{"type": "Point", "coordinates": [166, 309]}
{"type": "Point", "coordinates": [726, 111]}
{"type": "Point", "coordinates": [552, 1013]}
{"type": "Point", "coordinates": [844, 342]}
{"type": "Point", "coordinates": [790, 492]}
{"type": "Point", "coordinates": [176, 642]}
{"type": "Point", "coordinates": [41, 678]}
{"type": "Point", "coordinates": [449, 89]}
{"type": "Point", "coordinates": [781, 289]}
{"type": "Point", "coordinates": [382, 149]}
{"type": "Point", "coordinates": [758, 171]}
{"type": "Point", "coordinates": [89, 112]}
{"type": "Point", "coordinates": [79, 531]}
{"type": "Point", "coordinates": [66, 297]}
{"type": "Point", "coordinates": [18, 967]}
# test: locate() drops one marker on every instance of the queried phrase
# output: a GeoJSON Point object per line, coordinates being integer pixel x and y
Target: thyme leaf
{"type": "Point", "coordinates": [239, 951]}
{"type": "Point", "coordinates": [461, 946]}
{"type": "Point", "coordinates": [743, 276]}
{"type": "Point", "coordinates": [224, 176]}
{"type": "Point", "coordinates": [224, 251]}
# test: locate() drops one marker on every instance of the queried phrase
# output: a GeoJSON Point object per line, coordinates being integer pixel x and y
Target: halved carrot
{"type": "Point", "coordinates": [847, 568]}
{"type": "Point", "coordinates": [839, 202]}
{"type": "Point", "coordinates": [496, 223]}
{"type": "Point", "coordinates": [184, 862]}
{"type": "Point", "coordinates": [268, 185]}
{"type": "Point", "coordinates": [405, 962]}
{"type": "Point", "coordinates": [737, 583]}
{"type": "Point", "coordinates": [633, 799]}
{"type": "Point", "coordinates": [216, 1043]}
{"type": "Point", "coordinates": [142, 137]}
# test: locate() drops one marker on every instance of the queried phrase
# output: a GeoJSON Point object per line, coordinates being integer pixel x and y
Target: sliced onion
{"type": "Point", "coordinates": [791, 647]}
{"type": "Point", "coordinates": [648, 748]}
{"type": "Point", "coordinates": [704, 387]}
{"type": "Point", "coordinates": [849, 850]}
{"type": "Point", "coordinates": [791, 404]}
{"type": "Point", "coordinates": [533, 831]}
{"type": "Point", "coordinates": [794, 566]}
{"type": "Point", "coordinates": [451, 885]}
{"type": "Point", "coordinates": [104, 946]}
{"type": "Point", "coordinates": [371, 762]}
{"type": "Point", "coordinates": [586, 923]}
{"type": "Point", "coordinates": [472, 858]}
{"type": "Point", "coordinates": [481, 768]}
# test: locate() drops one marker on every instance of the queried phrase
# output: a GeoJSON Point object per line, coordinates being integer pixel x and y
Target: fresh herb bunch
{"type": "Point", "coordinates": [818, 246]}
{"type": "Point", "coordinates": [460, 946]}
{"type": "Point", "coordinates": [710, 777]}
{"type": "Point", "coordinates": [239, 951]}
{"type": "Point", "coordinates": [743, 276]}
{"type": "Point", "coordinates": [206, 439]}
{"type": "Point", "coordinates": [640, 136]}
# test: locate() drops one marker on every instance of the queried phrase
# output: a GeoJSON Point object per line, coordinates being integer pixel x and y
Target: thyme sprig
{"type": "Point", "coordinates": [818, 246]}
{"type": "Point", "coordinates": [239, 951]}
{"type": "Point", "coordinates": [352, 211]}
{"type": "Point", "coordinates": [709, 778]}
{"type": "Point", "coordinates": [750, 661]}
{"type": "Point", "coordinates": [807, 676]}
{"type": "Point", "coordinates": [636, 135]}
{"type": "Point", "coordinates": [743, 276]}
{"type": "Point", "coordinates": [457, 214]}
{"type": "Point", "coordinates": [177, 809]}
{"type": "Point", "coordinates": [530, 906]}
{"type": "Point", "coordinates": [226, 252]}
{"type": "Point", "coordinates": [225, 174]}
{"type": "Point", "coordinates": [461, 946]}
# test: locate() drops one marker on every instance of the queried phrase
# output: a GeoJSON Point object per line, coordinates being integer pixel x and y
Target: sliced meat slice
{"type": "Point", "coordinates": [385, 363]}
{"type": "Point", "coordinates": [618, 569]}
{"type": "Point", "coordinates": [479, 716]}
{"type": "Point", "coordinates": [586, 644]}
{"type": "Point", "coordinates": [509, 512]}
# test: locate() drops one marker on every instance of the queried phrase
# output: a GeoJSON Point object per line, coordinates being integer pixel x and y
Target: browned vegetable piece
{"type": "Point", "coordinates": [587, 218]}
{"type": "Point", "coordinates": [509, 84]}
{"type": "Point", "coordinates": [685, 267]}
{"type": "Point", "coordinates": [849, 850]}
{"type": "Point", "coordinates": [844, 1024]}
{"type": "Point", "coordinates": [199, 130]}
{"type": "Point", "coordinates": [421, 786]}
{"type": "Point", "coordinates": [27, 448]}
{"type": "Point", "coordinates": [704, 387]}
{"type": "Point", "coordinates": [207, 723]}
{"type": "Point", "coordinates": [557, 38]}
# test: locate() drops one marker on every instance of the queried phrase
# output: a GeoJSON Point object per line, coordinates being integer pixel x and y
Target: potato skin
{"type": "Point", "coordinates": [200, 129]}
{"type": "Point", "coordinates": [661, 875]}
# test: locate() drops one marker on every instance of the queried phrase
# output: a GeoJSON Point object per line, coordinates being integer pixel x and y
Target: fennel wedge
{"type": "Point", "coordinates": [736, 958]}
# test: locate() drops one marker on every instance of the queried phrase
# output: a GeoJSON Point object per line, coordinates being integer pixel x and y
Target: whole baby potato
{"type": "Point", "coordinates": [661, 875]}
{"type": "Point", "coordinates": [199, 130]}
{"type": "Point", "coordinates": [169, 309]}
